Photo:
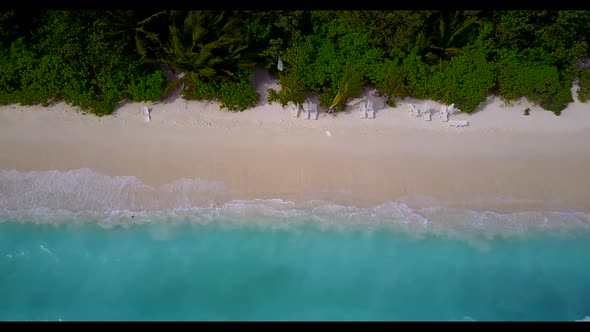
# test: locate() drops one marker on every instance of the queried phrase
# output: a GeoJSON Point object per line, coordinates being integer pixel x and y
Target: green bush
{"type": "Point", "coordinates": [539, 82]}
{"type": "Point", "coordinates": [147, 87]}
{"type": "Point", "coordinates": [327, 97]}
{"type": "Point", "coordinates": [234, 95]}
{"type": "Point", "coordinates": [13, 62]}
{"type": "Point", "coordinates": [196, 89]}
{"type": "Point", "coordinates": [584, 83]}
{"type": "Point", "coordinates": [272, 96]}
{"type": "Point", "coordinates": [422, 80]}
{"type": "Point", "coordinates": [238, 95]}
{"type": "Point", "coordinates": [468, 79]}
{"type": "Point", "coordinates": [292, 89]}
{"type": "Point", "coordinates": [389, 78]}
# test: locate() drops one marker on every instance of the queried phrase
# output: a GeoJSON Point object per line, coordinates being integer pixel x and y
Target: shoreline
{"type": "Point", "coordinates": [503, 160]}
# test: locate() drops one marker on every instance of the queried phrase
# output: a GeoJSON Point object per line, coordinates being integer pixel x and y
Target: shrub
{"type": "Point", "coordinates": [540, 82]}
{"type": "Point", "coordinates": [196, 89]}
{"type": "Point", "coordinates": [292, 89]}
{"type": "Point", "coordinates": [273, 96]}
{"type": "Point", "coordinates": [422, 80]}
{"type": "Point", "coordinates": [584, 83]}
{"type": "Point", "coordinates": [239, 95]}
{"type": "Point", "coordinates": [467, 80]}
{"type": "Point", "coordinates": [234, 95]}
{"type": "Point", "coordinates": [388, 77]}
{"type": "Point", "coordinates": [146, 87]}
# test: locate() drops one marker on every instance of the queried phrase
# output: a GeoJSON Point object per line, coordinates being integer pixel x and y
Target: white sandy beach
{"type": "Point", "coordinates": [503, 160]}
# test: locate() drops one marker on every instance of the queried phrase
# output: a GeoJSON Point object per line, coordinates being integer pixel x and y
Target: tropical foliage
{"type": "Point", "coordinates": [584, 83]}
{"type": "Point", "coordinates": [96, 59]}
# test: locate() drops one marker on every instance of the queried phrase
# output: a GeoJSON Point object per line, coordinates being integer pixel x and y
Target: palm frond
{"type": "Point", "coordinates": [219, 18]}
{"type": "Point", "coordinates": [139, 46]}
{"type": "Point", "coordinates": [147, 20]}
{"type": "Point", "coordinates": [170, 86]}
{"type": "Point", "coordinates": [152, 36]}
{"type": "Point", "coordinates": [350, 85]}
{"type": "Point", "coordinates": [207, 72]}
{"type": "Point", "coordinates": [468, 22]}
{"type": "Point", "coordinates": [441, 27]}
{"type": "Point", "coordinates": [452, 51]}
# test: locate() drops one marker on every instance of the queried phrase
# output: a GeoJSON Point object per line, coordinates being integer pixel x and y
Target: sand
{"type": "Point", "coordinates": [502, 161]}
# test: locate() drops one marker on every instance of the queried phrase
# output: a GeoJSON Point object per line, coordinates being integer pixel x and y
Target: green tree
{"type": "Point", "coordinates": [209, 44]}
{"type": "Point", "coordinates": [135, 30]}
{"type": "Point", "coordinates": [584, 83]}
{"type": "Point", "coordinates": [272, 32]}
{"type": "Point", "coordinates": [453, 31]}
{"type": "Point", "coordinates": [468, 79]}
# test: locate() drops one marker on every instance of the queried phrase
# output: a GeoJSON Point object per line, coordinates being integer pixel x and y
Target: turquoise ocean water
{"type": "Point", "coordinates": [271, 260]}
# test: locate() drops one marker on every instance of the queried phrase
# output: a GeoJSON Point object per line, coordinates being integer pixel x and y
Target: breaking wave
{"type": "Point", "coordinates": [86, 196]}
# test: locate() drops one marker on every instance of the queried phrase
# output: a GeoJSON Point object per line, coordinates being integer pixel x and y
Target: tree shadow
{"type": "Point", "coordinates": [262, 80]}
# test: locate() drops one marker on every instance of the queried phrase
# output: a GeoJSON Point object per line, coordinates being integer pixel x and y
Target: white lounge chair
{"type": "Point", "coordinates": [458, 123]}
{"type": "Point", "coordinates": [424, 108]}
{"type": "Point", "coordinates": [146, 115]}
{"type": "Point", "coordinates": [451, 109]}
{"type": "Point", "coordinates": [413, 110]}
{"type": "Point", "coordinates": [305, 111]}
{"type": "Point", "coordinates": [313, 108]}
{"type": "Point", "coordinates": [363, 110]}
{"type": "Point", "coordinates": [295, 110]}
{"type": "Point", "coordinates": [370, 110]}
{"type": "Point", "coordinates": [444, 114]}
{"type": "Point", "coordinates": [425, 112]}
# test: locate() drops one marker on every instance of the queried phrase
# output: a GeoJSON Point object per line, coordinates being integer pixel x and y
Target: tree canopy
{"type": "Point", "coordinates": [96, 59]}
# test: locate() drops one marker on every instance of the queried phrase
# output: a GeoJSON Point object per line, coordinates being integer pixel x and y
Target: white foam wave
{"type": "Point", "coordinates": [85, 196]}
{"type": "Point", "coordinates": [585, 319]}
{"type": "Point", "coordinates": [85, 190]}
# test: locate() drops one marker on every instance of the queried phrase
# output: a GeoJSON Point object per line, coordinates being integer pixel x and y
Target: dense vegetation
{"type": "Point", "coordinates": [96, 59]}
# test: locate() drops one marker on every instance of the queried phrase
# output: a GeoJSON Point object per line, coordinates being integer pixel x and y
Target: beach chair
{"type": "Point", "coordinates": [306, 111]}
{"type": "Point", "coordinates": [424, 108]}
{"type": "Point", "coordinates": [363, 110]}
{"type": "Point", "coordinates": [444, 114]}
{"type": "Point", "coordinates": [313, 111]}
{"type": "Point", "coordinates": [295, 110]}
{"type": "Point", "coordinates": [146, 115]}
{"type": "Point", "coordinates": [413, 110]}
{"type": "Point", "coordinates": [451, 109]}
{"type": "Point", "coordinates": [370, 110]}
{"type": "Point", "coordinates": [458, 123]}
{"type": "Point", "coordinates": [425, 112]}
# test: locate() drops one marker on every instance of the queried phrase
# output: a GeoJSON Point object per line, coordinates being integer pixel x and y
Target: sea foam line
{"type": "Point", "coordinates": [80, 196]}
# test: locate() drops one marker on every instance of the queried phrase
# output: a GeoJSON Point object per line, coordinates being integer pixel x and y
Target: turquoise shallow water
{"type": "Point", "coordinates": [79, 245]}
{"type": "Point", "coordinates": [214, 272]}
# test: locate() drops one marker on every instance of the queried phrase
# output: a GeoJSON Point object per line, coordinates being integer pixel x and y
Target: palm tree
{"type": "Point", "coordinates": [206, 46]}
{"type": "Point", "coordinates": [131, 27]}
{"type": "Point", "coordinates": [293, 89]}
{"type": "Point", "coordinates": [350, 84]}
{"type": "Point", "coordinates": [209, 44]}
{"type": "Point", "coordinates": [446, 41]}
